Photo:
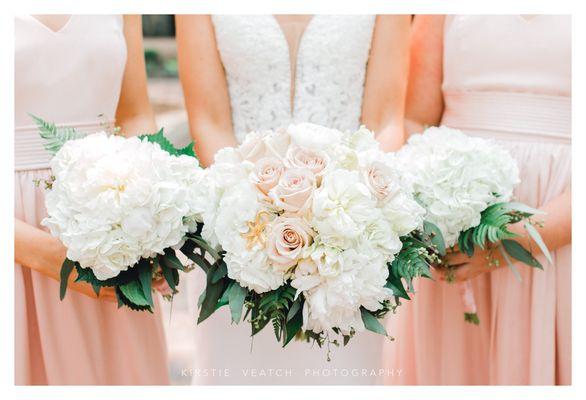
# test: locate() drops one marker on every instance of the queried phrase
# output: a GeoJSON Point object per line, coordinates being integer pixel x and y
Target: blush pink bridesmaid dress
{"type": "Point", "coordinates": [507, 78]}
{"type": "Point", "coordinates": [72, 77]}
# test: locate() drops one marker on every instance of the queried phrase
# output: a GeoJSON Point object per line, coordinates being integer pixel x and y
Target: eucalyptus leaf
{"type": "Point", "coordinates": [236, 297]}
{"type": "Point", "coordinates": [518, 252]}
{"type": "Point", "coordinates": [172, 261]}
{"type": "Point", "coordinates": [372, 323]}
{"type": "Point", "coordinates": [220, 272]}
{"type": "Point", "coordinates": [510, 264]}
{"type": "Point", "coordinates": [523, 208]}
{"type": "Point", "coordinates": [538, 240]}
{"type": "Point", "coordinates": [436, 236]}
{"type": "Point", "coordinates": [204, 245]}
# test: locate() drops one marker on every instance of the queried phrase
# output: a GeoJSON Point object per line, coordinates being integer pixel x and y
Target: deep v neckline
{"type": "Point", "coordinates": [293, 62]}
{"type": "Point", "coordinates": [61, 29]}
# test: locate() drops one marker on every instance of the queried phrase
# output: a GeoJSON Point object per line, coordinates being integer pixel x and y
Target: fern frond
{"type": "Point", "coordinates": [493, 228]}
{"type": "Point", "coordinates": [55, 137]}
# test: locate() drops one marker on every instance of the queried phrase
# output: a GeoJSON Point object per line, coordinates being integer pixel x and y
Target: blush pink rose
{"type": "Point", "coordinates": [294, 191]}
{"type": "Point", "coordinates": [266, 174]}
{"type": "Point", "coordinates": [288, 238]}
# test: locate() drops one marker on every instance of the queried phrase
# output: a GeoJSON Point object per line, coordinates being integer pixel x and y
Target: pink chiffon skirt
{"type": "Point", "coordinates": [80, 340]}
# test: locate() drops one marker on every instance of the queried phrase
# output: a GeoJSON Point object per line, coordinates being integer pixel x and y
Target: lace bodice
{"type": "Point", "coordinates": [329, 74]}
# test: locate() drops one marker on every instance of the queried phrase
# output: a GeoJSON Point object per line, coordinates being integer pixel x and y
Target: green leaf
{"type": "Point", "coordinates": [396, 285]}
{"type": "Point", "coordinates": [522, 208]}
{"type": "Point", "coordinates": [134, 293]}
{"type": "Point", "coordinates": [472, 318]}
{"type": "Point", "coordinates": [538, 240]}
{"type": "Point", "coordinates": [437, 239]}
{"type": "Point", "coordinates": [518, 252]}
{"type": "Point", "coordinates": [145, 277]}
{"type": "Point", "coordinates": [55, 137]}
{"type": "Point", "coordinates": [204, 245]}
{"type": "Point", "coordinates": [199, 260]}
{"type": "Point", "coordinates": [167, 272]}
{"type": "Point", "coordinates": [213, 293]}
{"type": "Point", "coordinates": [510, 263]}
{"type": "Point", "coordinates": [294, 322]}
{"type": "Point", "coordinates": [124, 301]}
{"type": "Point", "coordinates": [236, 296]}
{"type": "Point", "coordinates": [97, 289]}
{"type": "Point", "coordinates": [160, 139]}
{"type": "Point", "coordinates": [220, 272]}
{"type": "Point", "coordinates": [66, 269]}
{"type": "Point", "coordinates": [372, 323]}
{"type": "Point", "coordinates": [171, 260]}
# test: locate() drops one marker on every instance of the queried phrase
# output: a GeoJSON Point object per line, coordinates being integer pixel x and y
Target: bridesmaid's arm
{"type": "Point", "coordinates": [383, 108]}
{"type": "Point", "coordinates": [556, 232]}
{"type": "Point", "coordinates": [425, 105]}
{"type": "Point", "coordinates": [134, 114]}
{"type": "Point", "coordinates": [204, 86]}
{"type": "Point", "coordinates": [41, 252]}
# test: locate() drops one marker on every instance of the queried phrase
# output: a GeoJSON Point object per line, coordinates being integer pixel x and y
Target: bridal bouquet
{"type": "Point", "coordinates": [465, 185]}
{"type": "Point", "coordinates": [307, 227]}
{"type": "Point", "coordinates": [122, 207]}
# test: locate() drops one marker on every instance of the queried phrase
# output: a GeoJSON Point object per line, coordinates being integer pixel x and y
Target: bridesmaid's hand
{"type": "Point", "coordinates": [41, 252]}
{"type": "Point", "coordinates": [462, 268]}
{"type": "Point", "coordinates": [161, 286]}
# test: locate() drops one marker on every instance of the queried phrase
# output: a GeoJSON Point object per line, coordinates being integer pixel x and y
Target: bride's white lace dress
{"type": "Point", "coordinates": [280, 72]}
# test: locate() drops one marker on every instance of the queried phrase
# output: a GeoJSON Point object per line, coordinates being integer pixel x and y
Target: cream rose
{"type": "Point", "coordinates": [380, 181]}
{"type": "Point", "coordinates": [314, 160]}
{"type": "Point", "coordinates": [294, 191]}
{"type": "Point", "coordinates": [288, 238]}
{"type": "Point", "coordinates": [258, 145]}
{"type": "Point", "coordinates": [266, 174]}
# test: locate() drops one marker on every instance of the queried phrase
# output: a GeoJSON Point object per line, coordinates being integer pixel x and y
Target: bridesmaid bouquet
{"type": "Point", "coordinates": [307, 227]}
{"type": "Point", "coordinates": [122, 207]}
{"type": "Point", "coordinates": [465, 185]}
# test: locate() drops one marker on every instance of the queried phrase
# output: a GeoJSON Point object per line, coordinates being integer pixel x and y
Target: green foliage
{"type": "Point", "coordinates": [372, 323]}
{"type": "Point", "coordinates": [472, 318]}
{"type": "Point", "coordinates": [66, 270]}
{"type": "Point", "coordinates": [236, 296]}
{"type": "Point", "coordinates": [413, 261]}
{"type": "Point", "coordinates": [167, 146]}
{"type": "Point", "coordinates": [518, 252]}
{"type": "Point", "coordinates": [493, 228]}
{"type": "Point", "coordinates": [55, 137]}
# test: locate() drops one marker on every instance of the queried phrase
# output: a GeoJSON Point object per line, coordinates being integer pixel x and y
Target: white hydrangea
{"type": "Point", "coordinates": [455, 177]}
{"type": "Point", "coordinates": [116, 200]}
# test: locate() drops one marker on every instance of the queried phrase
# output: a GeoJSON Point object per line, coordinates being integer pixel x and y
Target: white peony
{"type": "Point", "coordinates": [455, 177]}
{"type": "Point", "coordinates": [342, 207]}
{"type": "Point", "coordinates": [116, 200]}
{"type": "Point", "coordinates": [336, 284]}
